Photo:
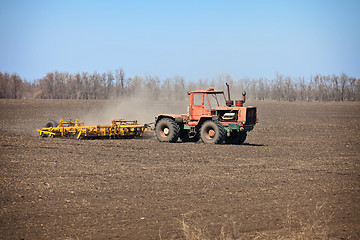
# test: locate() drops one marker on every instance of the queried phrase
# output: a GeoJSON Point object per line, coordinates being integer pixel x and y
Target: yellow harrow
{"type": "Point", "coordinates": [117, 129]}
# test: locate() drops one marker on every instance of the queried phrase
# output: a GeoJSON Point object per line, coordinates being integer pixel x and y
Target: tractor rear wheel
{"type": "Point", "coordinates": [167, 130]}
{"type": "Point", "coordinates": [212, 132]}
{"type": "Point", "coordinates": [51, 123]}
{"type": "Point", "coordinates": [236, 138]}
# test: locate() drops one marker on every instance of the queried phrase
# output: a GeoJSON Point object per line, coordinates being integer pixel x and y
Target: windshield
{"type": "Point", "coordinates": [216, 99]}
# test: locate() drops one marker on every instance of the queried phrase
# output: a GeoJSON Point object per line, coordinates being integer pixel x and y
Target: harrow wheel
{"type": "Point", "coordinates": [51, 123]}
{"type": "Point", "coordinates": [212, 132]}
{"type": "Point", "coordinates": [166, 130]}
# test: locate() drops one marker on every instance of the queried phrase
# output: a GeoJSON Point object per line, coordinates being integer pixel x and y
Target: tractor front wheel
{"type": "Point", "coordinates": [212, 132]}
{"type": "Point", "coordinates": [167, 130]}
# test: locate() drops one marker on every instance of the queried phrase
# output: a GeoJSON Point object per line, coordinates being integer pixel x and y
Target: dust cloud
{"type": "Point", "coordinates": [141, 109]}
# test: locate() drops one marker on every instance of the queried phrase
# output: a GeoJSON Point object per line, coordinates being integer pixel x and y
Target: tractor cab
{"type": "Point", "coordinates": [212, 102]}
{"type": "Point", "coordinates": [204, 103]}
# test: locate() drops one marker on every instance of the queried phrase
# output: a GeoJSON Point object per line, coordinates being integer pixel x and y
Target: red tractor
{"type": "Point", "coordinates": [211, 118]}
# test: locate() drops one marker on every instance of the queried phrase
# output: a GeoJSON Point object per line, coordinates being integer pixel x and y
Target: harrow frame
{"type": "Point", "coordinates": [117, 129]}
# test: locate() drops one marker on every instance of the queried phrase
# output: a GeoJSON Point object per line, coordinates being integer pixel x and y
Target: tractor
{"type": "Point", "coordinates": [211, 118]}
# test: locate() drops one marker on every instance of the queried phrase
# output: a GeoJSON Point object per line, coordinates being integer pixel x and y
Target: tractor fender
{"type": "Point", "coordinates": [203, 119]}
{"type": "Point", "coordinates": [176, 118]}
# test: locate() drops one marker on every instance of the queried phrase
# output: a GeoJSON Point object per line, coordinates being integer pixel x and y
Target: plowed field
{"type": "Point", "coordinates": [296, 176]}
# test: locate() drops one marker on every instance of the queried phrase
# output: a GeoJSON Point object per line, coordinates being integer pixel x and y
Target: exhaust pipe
{"type": "Point", "coordinates": [229, 102]}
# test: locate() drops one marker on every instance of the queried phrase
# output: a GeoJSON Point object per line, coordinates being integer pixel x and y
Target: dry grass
{"type": "Point", "coordinates": [315, 226]}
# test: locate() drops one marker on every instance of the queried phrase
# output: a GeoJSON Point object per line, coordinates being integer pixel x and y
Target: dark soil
{"type": "Point", "coordinates": [296, 176]}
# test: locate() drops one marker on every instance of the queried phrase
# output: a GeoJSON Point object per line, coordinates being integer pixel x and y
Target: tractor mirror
{"type": "Point", "coordinates": [243, 93]}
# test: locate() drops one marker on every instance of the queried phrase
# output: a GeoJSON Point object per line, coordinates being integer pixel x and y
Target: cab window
{"type": "Point", "coordinates": [197, 99]}
{"type": "Point", "coordinates": [216, 100]}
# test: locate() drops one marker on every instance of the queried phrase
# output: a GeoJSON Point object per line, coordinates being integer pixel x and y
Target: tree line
{"type": "Point", "coordinates": [62, 85]}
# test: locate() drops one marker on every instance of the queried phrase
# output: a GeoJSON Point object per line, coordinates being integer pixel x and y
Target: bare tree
{"type": "Point", "coordinates": [278, 88]}
{"type": "Point", "coordinates": [343, 81]}
{"type": "Point", "coordinates": [357, 90]}
{"type": "Point", "coordinates": [179, 88]}
{"type": "Point", "coordinates": [64, 85]}
{"type": "Point", "coordinates": [95, 85]}
{"type": "Point", "coordinates": [166, 89]}
{"type": "Point", "coordinates": [109, 84]}
{"type": "Point", "coordinates": [47, 85]}
{"type": "Point", "coordinates": [350, 90]}
{"type": "Point", "coordinates": [119, 77]}
{"type": "Point", "coordinates": [152, 85]}
{"type": "Point", "coordinates": [3, 84]}
{"type": "Point", "coordinates": [78, 82]}
{"type": "Point", "coordinates": [134, 85]}
{"type": "Point", "coordinates": [261, 89]}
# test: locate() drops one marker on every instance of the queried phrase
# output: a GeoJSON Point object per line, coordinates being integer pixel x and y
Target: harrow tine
{"type": "Point", "coordinates": [117, 129]}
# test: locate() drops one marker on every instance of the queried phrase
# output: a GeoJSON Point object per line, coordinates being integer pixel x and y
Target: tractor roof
{"type": "Point", "coordinates": [209, 90]}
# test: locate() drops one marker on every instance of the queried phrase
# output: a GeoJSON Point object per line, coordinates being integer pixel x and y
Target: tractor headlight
{"type": "Point", "coordinates": [243, 122]}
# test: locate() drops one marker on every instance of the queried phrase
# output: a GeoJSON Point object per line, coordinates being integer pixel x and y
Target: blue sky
{"type": "Point", "coordinates": [193, 39]}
